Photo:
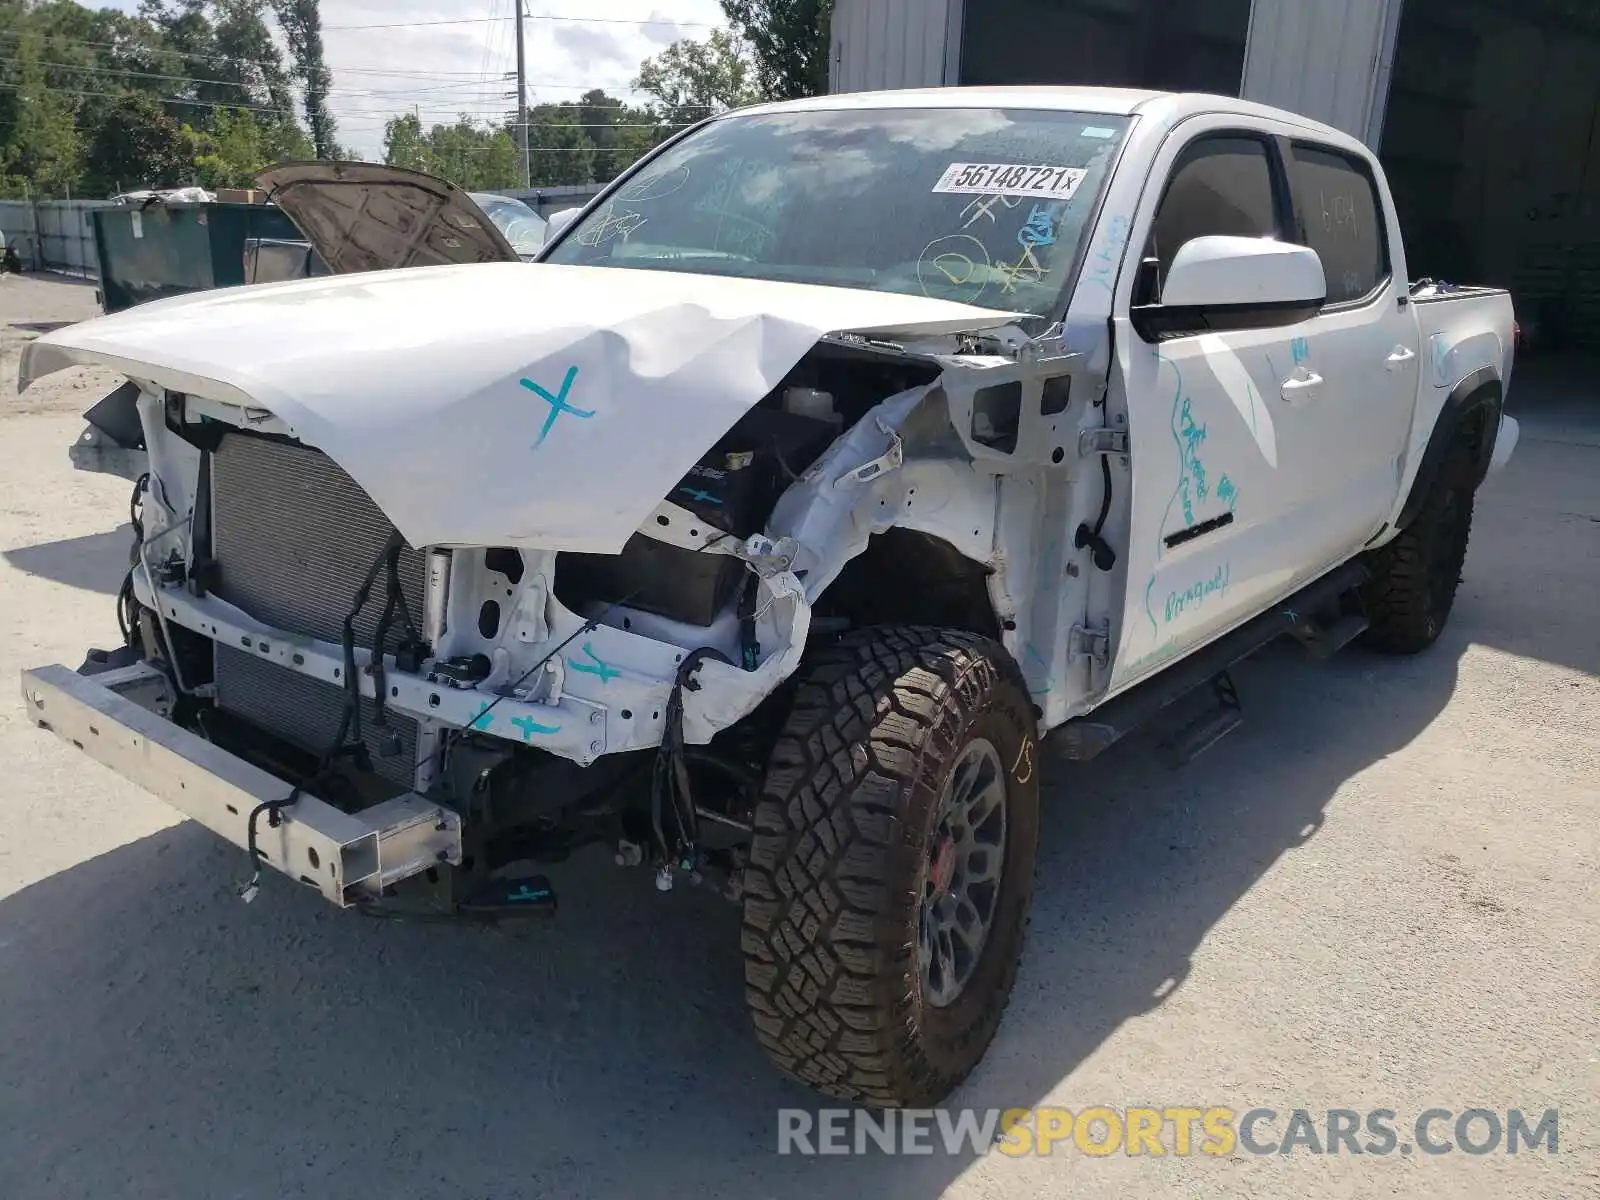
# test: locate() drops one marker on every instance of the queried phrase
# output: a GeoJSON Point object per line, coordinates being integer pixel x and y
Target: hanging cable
{"type": "Point", "coordinates": [349, 740]}
{"type": "Point", "coordinates": [394, 602]}
{"type": "Point", "coordinates": [346, 743]}
{"type": "Point", "coordinates": [127, 598]}
{"type": "Point", "coordinates": [1103, 555]}
{"type": "Point", "coordinates": [670, 779]}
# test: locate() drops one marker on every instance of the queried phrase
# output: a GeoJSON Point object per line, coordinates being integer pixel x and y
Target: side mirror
{"type": "Point", "coordinates": [1220, 283]}
{"type": "Point", "coordinates": [559, 221]}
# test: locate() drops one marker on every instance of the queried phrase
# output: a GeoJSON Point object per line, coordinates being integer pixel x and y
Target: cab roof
{"type": "Point", "coordinates": [1165, 107]}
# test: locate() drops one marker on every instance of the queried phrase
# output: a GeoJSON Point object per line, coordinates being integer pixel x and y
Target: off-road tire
{"type": "Point", "coordinates": [1415, 576]}
{"type": "Point", "coordinates": [839, 859]}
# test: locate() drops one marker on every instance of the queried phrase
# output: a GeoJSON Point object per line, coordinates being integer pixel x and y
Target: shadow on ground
{"type": "Point", "coordinates": [97, 562]}
{"type": "Point", "coordinates": [161, 1038]}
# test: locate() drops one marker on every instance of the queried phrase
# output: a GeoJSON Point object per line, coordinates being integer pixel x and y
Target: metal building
{"type": "Point", "coordinates": [1484, 112]}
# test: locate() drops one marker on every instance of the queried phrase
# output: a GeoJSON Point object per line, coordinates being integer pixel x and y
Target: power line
{"type": "Point", "coordinates": [18, 87]}
{"type": "Point", "coordinates": [240, 83]}
{"type": "Point", "coordinates": [529, 17]}
{"type": "Point", "coordinates": [705, 108]}
{"type": "Point", "coordinates": [483, 105]}
{"type": "Point", "coordinates": [466, 77]}
{"type": "Point", "coordinates": [377, 114]}
{"type": "Point", "coordinates": [489, 45]}
{"type": "Point", "coordinates": [537, 150]}
{"type": "Point", "coordinates": [234, 60]}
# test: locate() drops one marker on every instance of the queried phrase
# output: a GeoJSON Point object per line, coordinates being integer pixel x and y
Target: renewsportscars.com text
{"type": "Point", "coordinates": [1181, 1131]}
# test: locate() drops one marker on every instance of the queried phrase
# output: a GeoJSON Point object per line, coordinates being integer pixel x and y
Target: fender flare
{"type": "Point", "coordinates": [1480, 397]}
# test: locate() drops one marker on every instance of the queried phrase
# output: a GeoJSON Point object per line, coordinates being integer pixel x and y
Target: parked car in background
{"type": "Point", "coordinates": [523, 228]}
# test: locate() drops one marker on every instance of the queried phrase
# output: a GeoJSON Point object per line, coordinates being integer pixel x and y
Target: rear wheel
{"type": "Point", "coordinates": [1415, 576]}
{"type": "Point", "coordinates": [892, 865]}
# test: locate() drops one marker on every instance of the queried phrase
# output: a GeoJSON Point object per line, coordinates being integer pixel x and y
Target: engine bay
{"type": "Point", "coordinates": [735, 485]}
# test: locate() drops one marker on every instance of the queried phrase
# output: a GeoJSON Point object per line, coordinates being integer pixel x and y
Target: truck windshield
{"type": "Point", "coordinates": [983, 206]}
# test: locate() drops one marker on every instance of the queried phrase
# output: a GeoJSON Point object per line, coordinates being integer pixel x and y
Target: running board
{"type": "Point", "coordinates": [1090, 735]}
{"type": "Point", "coordinates": [1211, 726]}
{"type": "Point", "coordinates": [1324, 641]}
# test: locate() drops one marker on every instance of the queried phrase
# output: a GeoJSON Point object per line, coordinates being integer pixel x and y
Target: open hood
{"type": "Point", "coordinates": [523, 404]}
{"type": "Point", "coordinates": [371, 217]}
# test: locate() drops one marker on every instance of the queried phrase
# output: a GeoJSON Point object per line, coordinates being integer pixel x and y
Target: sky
{"type": "Point", "coordinates": [443, 70]}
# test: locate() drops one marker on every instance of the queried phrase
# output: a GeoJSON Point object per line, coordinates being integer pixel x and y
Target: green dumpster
{"type": "Point", "coordinates": [159, 250]}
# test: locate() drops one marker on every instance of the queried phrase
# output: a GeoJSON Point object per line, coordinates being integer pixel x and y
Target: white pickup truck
{"type": "Point", "coordinates": [840, 464]}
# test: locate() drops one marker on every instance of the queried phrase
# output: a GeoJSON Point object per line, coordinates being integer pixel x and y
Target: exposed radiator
{"type": "Point", "coordinates": [306, 711]}
{"type": "Point", "coordinates": [293, 537]}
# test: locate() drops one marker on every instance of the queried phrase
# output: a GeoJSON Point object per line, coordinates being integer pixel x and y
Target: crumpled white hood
{"type": "Point", "coordinates": [500, 403]}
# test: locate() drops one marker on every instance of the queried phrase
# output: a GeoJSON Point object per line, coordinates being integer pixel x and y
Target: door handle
{"type": "Point", "coordinates": [1399, 356]}
{"type": "Point", "coordinates": [1298, 391]}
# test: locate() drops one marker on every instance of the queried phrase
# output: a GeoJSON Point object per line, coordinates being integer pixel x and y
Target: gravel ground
{"type": "Point", "coordinates": [1381, 893]}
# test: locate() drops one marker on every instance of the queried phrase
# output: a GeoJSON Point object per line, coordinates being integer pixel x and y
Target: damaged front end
{"type": "Point", "coordinates": [413, 600]}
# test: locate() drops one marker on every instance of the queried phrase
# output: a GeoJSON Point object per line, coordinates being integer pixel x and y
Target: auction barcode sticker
{"type": "Point", "coordinates": [1011, 179]}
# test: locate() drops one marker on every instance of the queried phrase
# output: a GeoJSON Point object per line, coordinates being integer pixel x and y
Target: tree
{"type": "Point", "coordinates": [91, 99]}
{"type": "Point", "coordinates": [284, 141]}
{"type": "Point", "coordinates": [690, 80]}
{"type": "Point", "coordinates": [789, 39]}
{"type": "Point", "coordinates": [559, 150]}
{"type": "Point", "coordinates": [619, 132]}
{"type": "Point", "coordinates": [43, 152]}
{"type": "Point", "coordinates": [135, 145]}
{"type": "Point", "coordinates": [499, 165]}
{"type": "Point", "coordinates": [406, 145]}
{"type": "Point", "coordinates": [301, 21]}
{"type": "Point", "coordinates": [231, 61]}
{"type": "Point", "coordinates": [475, 157]}
{"type": "Point", "coordinates": [231, 154]}
{"type": "Point", "coordinates": [243, 40]}
{"type": "Point", "coordinates": [241, 145]}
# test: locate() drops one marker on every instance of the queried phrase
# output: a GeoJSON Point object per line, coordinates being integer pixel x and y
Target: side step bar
{"type": "Point", "coordinates": [1324, 641]}
{"type": "Point", "coordinates": [349, 857]}
{"type": "Point", "coordinates": [1085, 737]}
{"type": "Point", "coordinates": [1222, 718]}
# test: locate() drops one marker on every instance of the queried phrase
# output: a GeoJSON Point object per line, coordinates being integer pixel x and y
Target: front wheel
{"type": "Point", "coordinates": [892, 865]}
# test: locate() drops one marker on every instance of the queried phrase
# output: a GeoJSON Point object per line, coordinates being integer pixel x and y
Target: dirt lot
{"type": "Point", "coordinates": [1381, 893]}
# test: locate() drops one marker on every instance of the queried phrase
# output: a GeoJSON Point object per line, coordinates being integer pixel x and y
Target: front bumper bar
{"type": "Point", "coordinates": [348, 857]}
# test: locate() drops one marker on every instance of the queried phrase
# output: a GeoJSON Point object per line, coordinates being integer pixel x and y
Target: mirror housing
{"type": "Point", "coordinates": [1219, 283]}
{"type": "Point", "coordinates": [558, 221]}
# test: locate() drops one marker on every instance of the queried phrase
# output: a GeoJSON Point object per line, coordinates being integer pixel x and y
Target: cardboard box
{"type": "Point", "coordinates": [241, 196]}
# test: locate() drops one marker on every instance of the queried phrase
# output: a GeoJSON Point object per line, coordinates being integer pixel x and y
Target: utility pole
{"type": "Point", "coordinates": [522, 98]}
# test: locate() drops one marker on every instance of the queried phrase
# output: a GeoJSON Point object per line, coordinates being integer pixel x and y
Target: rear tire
{"type": "Point", "coordinates": [1415, 576]}
{"type": "Point", "coordinates": [885, 901]}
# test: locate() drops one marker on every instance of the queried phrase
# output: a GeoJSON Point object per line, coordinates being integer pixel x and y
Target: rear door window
{"type": "Point", "coordinates": [1336, 203]}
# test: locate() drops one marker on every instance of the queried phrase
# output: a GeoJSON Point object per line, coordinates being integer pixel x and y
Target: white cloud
{"type": "Point", "coordinates": [593, 44]}
{"type": "Point", "coordinates": [443, 70]}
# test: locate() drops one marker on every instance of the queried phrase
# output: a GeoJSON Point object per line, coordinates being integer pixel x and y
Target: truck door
{"type": "Point", "coordinates": [1351, 375]}
{"type": "Point", "coordinates": [1226, 510]}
